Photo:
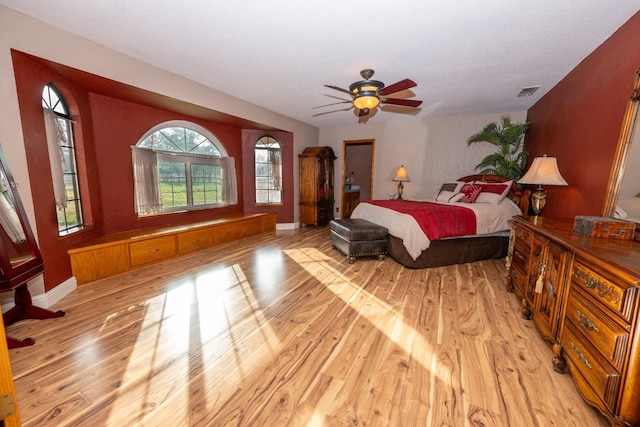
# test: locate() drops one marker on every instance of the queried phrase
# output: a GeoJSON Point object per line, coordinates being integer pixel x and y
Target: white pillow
{"type": "Point", "coordinates": [620, 213]}
{"type": "Point", "coordinates": [631, 206]}
{"type": "Point", "coordinates": [447, 190]}
{"type": "Point", "coordinates": [449, 196]}
{"type": "Point", "coordinates": [489, 192]}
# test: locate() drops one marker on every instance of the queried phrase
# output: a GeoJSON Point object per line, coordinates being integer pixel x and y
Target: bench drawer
{"type": "Point", "coordinates": [152, 250]}
{"type": "Point", "coordinates": [195, 240]}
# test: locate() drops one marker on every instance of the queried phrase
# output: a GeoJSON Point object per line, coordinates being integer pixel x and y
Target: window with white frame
{"type": "Point", "coordinates": [63, 162]}
{"type": "Point", "coordinates": [182, 166]}
{"type": "Point", "coordinates": [268, 160]}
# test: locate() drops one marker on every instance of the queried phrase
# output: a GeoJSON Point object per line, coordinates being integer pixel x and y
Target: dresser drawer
{"type": "Point", "coordinates": [518, 278]}
{"type": "Point", "coordinates": [523, 235]}
{"type": "Point", "coordinates": [604, 289]}
{"type": "Point", "coordinates": [152, 250]}
{"type": "Point", "coordinates": [608, 337]}
{"type": "Point", "coordinates": [601, 376]}
{"type": "Point", "coordinates": [520, 256]}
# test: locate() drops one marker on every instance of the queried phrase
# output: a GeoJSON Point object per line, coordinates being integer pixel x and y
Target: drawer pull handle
{"type": "Point", "coordinates": [581, 356]}
{"type": "Point", "coordinates": [154, 251]}
{"type": "Point", "coordinates": [612, 234]}
{"type": "Point", "coordinates": [586, 323]}
{"type": "Point", "coordinates": [195, 240]}
{"type": "Point", "coordinates": [515, 275]}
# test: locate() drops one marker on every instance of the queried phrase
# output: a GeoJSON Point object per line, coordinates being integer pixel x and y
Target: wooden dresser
{"type": "Point", "coordinates": [584, 296]}
{"type": "Point", "coordinates": [316, 186]}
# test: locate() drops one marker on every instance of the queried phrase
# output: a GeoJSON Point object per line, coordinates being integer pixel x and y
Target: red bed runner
{"type": "Point", "coordinates": [436, 220]}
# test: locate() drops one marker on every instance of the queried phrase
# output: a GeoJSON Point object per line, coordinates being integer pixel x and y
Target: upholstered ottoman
{"type": "Point", "coordinates": [358, 238]}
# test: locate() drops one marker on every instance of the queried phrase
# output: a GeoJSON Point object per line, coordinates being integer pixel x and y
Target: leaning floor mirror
{"type": "Point", "coordinates": [20, 258]}
{"type": "Point", "coordinates": [623, 193]}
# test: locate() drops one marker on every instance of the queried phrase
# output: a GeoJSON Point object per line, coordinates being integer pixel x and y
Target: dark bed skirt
{"type": "Point", "coordinates": [451, 251]}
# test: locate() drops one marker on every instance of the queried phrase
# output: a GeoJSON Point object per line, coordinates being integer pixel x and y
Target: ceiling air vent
{"type": "Point", "coordinates": [528, 91]}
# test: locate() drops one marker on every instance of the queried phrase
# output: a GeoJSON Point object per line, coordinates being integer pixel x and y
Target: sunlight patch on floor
{"type": "Point", "coordinates": [403, 335]}
{"type": "Point", "coordinates": [180, 323]}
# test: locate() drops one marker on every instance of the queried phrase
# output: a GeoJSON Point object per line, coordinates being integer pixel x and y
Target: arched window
{"type": "Point", "coordinates": [182, 166]}
{"type": "Point", "coordinates": [268, 159]}
{"type": "Point", "coordinates": [62, 158]}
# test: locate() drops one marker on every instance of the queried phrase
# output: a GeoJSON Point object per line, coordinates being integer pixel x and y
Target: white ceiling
{"type": "Point", "coordinates": [467, 57]}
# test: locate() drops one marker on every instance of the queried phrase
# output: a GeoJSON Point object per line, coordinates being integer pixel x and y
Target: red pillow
{"type": "Point", "coordinates": [470, 192]}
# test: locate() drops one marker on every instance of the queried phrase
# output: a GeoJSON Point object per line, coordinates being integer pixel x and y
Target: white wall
{"type": "Point", "coordinates": [433, 150]}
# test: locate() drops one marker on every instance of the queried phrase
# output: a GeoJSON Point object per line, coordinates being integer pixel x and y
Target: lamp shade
{"type": "Point", "coordinates": [543, 171]}
{"type": "Point", "coordinates": [402, 175]}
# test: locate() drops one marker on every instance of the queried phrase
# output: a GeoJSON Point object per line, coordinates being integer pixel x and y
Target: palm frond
{"type": "Point", "coordinates": [510, 158]}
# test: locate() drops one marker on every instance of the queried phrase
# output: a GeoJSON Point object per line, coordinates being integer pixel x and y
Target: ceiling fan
{"type": "Point", "coordinates": [368, 94]}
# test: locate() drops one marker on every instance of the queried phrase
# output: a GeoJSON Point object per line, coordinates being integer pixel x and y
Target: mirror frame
{"type": "Point", "coordinates": [14, 275]}
{"type": "Point", "coordinates": [627, 133]}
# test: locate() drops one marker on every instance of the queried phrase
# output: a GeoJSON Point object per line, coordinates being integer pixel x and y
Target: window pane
{"type": "Point", "coordinates": [181, 140]}
{"type": "Point", "coordinates": [173, 184]}
{"type": "Point", "coordinates": [205, 184]}
{"type": "Point", "coordinates": [198, 182]}
{"type": "Point", "coordinates": [263, 170]}
{"type": "Point", "coordinates": [70, 216]}
{"type": "Point", "coordinates": [268, 170]}
{"type": "Point", "coordinates": [275, 196]}
{"type": "Point", "coordinates": [262, 196]}
{"type": "Point", "coordinates": [262, 156]}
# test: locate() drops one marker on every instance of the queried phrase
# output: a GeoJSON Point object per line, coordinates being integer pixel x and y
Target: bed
{"type": "Point", "coordinates": [479, 228]}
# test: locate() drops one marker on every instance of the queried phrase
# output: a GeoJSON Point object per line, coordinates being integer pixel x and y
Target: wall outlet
{"type": "Point", "coordinates": [337, 210]}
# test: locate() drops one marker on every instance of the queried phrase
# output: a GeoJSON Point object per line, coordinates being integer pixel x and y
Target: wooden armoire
{"type": "Point", "coordinates": [316, 186]}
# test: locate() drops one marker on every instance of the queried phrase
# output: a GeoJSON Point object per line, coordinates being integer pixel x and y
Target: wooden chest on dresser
{"type": "Point", "coordinates": [584, 295]}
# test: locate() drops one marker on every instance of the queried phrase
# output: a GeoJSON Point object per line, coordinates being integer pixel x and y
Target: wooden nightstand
{"type": "Point", "coordinates": [350, 201]}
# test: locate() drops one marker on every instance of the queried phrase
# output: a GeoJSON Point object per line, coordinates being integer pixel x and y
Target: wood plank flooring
{"type": "Point", "coordinates": [279, 330]}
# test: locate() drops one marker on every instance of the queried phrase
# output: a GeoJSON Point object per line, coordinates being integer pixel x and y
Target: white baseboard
{"type": "Point", "coordinates": [47, 299]}
{"type": "Point", "coordinates": [288, 226]}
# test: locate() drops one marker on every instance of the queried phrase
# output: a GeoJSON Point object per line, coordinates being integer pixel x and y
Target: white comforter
{"type": "Point", "coordinates": [489, 219]}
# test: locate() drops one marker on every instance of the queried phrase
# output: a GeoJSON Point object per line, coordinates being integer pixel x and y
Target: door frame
{"type": "Point", "coordinates": [345, 144]}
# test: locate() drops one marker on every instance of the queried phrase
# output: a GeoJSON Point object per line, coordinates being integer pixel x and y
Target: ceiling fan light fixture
{"type": "Point", "coordinates": [367, 94]}
{"type": "Point", "coordinates": [366, 100]}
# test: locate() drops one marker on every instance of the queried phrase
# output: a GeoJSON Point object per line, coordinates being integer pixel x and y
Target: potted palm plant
{"type": "Point", "coordinates": [511, 157]}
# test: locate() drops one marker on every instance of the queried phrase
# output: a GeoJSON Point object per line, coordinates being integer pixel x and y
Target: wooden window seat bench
{"type": "Point", "coordinates": [117, 253]}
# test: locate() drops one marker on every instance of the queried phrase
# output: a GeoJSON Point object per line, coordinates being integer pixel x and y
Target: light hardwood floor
{"type": "Point", "coordinates": [279, 330]}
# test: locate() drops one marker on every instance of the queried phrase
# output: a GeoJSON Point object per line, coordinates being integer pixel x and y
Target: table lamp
{"type": "Point", "coordinates": [402, 175]}
{"type": "Point", "coordinates": [543, 171]}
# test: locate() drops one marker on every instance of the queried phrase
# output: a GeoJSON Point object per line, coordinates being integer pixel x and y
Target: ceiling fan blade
{"type": "Point", "coordinates": [363, 112]}
{"type": "Point", "coordinates": [405, 102]}
{"type": "Point", "coordinates": [333, 103]}
{"type": "Point", "coordinates": [339, 88]}
{"type": "Point", "coordinates": [397, 87]}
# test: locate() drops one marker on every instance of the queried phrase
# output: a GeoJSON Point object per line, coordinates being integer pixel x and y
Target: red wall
{"type": "Point", "coordinates": [105, 128]}
{"type": "Point", "coordinates": [119, 125]}
{"type": "Point", "coordinates": [249, 139]}
{"type": "Point", "coordinates": [579, 122]}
